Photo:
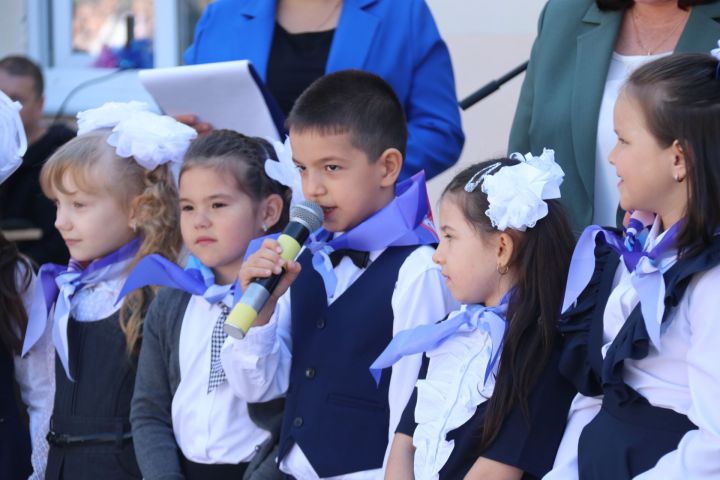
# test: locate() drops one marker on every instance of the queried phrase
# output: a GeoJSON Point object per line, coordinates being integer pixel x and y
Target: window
{"type": "Point", "coordinates": [81, 40]}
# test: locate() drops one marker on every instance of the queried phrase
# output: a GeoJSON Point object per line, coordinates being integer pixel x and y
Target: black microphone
{"type": "Point", "coordinates": [305, 218]}
{"type": "Point", "coordinates": [492, 86]}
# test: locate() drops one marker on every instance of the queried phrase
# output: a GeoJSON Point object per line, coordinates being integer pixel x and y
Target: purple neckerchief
{"type": "Point", "coordinates": [646, 276]}
{"type": "Point", "coordinates": [57, 285]}
{"type": "Point", "coordinates": [157, 270]}
{"type": "Point", "coordinates": [402, 222]}
{"type": "Point", "coordinates": [425, 338]}
{"type": "Point", "coordinates": [195, 278]}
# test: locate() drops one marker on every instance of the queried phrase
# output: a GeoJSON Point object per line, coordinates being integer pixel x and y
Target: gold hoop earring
{"type": "Point", "coordinates": [502, 270]}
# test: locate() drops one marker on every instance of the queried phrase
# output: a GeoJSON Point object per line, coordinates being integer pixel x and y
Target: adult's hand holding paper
{"type": "Point", "coordinates": [224, 94]}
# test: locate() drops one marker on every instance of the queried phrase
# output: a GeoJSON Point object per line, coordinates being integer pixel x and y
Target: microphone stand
{"type": "Point", "coordinates": [494, 85]}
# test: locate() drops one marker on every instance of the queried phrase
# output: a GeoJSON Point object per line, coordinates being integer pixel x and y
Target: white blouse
{"type": "Point", "coordinates": [209, 427]}
{"type": "Point", "coordinates": [450, 394]}
{"type": "Point", "coordinates": [35, 374]}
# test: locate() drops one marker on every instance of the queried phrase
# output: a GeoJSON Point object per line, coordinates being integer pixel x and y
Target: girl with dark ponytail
{"type": "Point", "coordinates": [490, 403]}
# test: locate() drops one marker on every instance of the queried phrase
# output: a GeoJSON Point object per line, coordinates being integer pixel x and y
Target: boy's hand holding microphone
{"type": "Point", "coordinates": [267, 274]}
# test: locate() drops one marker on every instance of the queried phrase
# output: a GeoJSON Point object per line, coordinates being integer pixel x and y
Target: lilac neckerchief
{"type": "Point", "coordinates": [195, 278]}
{"type": "Point", "coordinates": [404, 221]}
{"type": "Point", "coordinates": [57, 285]}
{"type": "Point", "coordinates": [425, 338]}
{"type": "Point", "coordinates": [642, 264]}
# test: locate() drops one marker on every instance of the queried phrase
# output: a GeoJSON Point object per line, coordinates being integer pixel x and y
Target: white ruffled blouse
{"type": "Point", "coordinates": [450, 394]}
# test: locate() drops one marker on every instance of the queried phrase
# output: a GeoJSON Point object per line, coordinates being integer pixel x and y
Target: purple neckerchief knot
{"type": "Point", "coordinates": [404, 221]}
{"type": "Point", "coordinates": [195, 278]}
{"type": "Point", "coordinates": [642, 264]}
{"type": "Point", "coordinates": [57, 285]}
{"type": "Point", "coordinates": [425, 338]}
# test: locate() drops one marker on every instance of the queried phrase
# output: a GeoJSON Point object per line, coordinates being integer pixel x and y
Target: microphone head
{"type": "Point", "coordinates": [307, 213]}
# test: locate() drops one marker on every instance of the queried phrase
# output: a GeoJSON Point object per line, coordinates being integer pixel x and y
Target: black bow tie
{"type": "Point", "coordinates": [358, 257]}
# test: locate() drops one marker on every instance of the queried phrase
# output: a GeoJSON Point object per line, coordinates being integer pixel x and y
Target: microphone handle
{"type": "Point", "coordinates": [243, 314]}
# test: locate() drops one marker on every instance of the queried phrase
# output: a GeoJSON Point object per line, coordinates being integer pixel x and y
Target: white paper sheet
{"type": "Point", "coordinates": [224, 94]}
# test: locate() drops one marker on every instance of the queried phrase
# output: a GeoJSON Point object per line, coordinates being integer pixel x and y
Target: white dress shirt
{"type": "Point", "coordinates": [209, 427]}
{"type": "Point", "coordinates": [683, 376]}
{"type": "Point", "coordinates": [258, 367]}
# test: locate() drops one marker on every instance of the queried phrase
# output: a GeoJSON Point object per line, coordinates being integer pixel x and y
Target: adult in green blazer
{"type": "Point", "coordinates": [564, 84]}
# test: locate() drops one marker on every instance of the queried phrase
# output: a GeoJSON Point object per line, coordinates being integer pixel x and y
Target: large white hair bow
{"type": "Point", "coordinates": [137, 132]}
{"type": "Point", "coordinates": [108, 115]}
{"type": "Point", "coordinates": [13, 142]}
{"type": "Point", "coordinates": [151, 139]}
{"type": "Point", "coordinates": [516, 194]}
{"type": "Point", "coordinates": [285, 171]}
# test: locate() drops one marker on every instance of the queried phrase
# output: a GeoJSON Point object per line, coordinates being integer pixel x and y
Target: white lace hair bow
{"type": "Point", "coordinates": [137, 132]}
{"type": "Point", "coordinates": [13, 142]}
{"type": "Point", "coordinates": [517, 193]}
{"type": "Point", "coordinates": [108, 115]}
{"type": "Point", "coordinates": [285, 171]}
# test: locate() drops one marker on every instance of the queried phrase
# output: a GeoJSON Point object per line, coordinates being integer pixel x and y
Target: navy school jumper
{"type": "Point", "coordinates": [629, 435]}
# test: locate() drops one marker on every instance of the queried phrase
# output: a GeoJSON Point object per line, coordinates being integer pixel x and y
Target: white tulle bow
{"type": "Point", "coordinates": [108, 115]}
{"type": "Point", "coordinates": [516, 194]}
{"type": "Point", "coordinates": [137, 132]}
{"type": "Point", "coordinates": [285, 171]}
{"type": "Point", "coordinates": [13, 142]}
{"type": "Point", "coordinates": [151, 139]}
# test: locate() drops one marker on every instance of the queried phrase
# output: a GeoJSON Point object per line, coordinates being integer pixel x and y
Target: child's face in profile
{"type": "Point", "coordinates": [468, 258]}
{"type": "Point", "coordinates": [340, 178]}
{"type": "Point", "coordinates": [92, 224]}
{"type": "Point", "coordinates": [642, 165]}
{"type": "Point", "coordinates": [217, 220]}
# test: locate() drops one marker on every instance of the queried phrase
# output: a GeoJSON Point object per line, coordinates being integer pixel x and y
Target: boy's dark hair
{"type": "Point", "coordinates": [625, 4]}
{"type": "Point", "coordinates": [679, 96]}
{"type": "Point", "coordinates": [243, 158]}
{"type": "Point", "coordinates": [24, 67]}
{"type": "Point", "coordinates": [355, 102]}
{"type": "Point", "coordinates": [540, 260]}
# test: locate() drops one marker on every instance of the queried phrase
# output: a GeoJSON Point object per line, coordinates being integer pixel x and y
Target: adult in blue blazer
{"type": "Point", "coordinates": [395, 39]}
{"type": "Point", "coordinates": [563, 89]}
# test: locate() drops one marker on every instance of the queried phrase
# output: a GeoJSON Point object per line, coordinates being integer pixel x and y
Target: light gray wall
{"type": "Point", "coordinates": [486, 39]}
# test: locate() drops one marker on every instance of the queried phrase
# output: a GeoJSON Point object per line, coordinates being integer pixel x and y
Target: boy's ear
{"type": "Point", "coordinates": [390, 162]}
{"type": "Point", "coordinates": [271, 209]}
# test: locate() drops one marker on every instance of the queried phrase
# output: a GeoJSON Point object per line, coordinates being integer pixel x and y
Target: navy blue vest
{"type": "Point", "coordinates": [629, 435]}
{"type": "Point", "coordinates": [334, 411]}
{"type": "Point", "coordinates": [14, 437]}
